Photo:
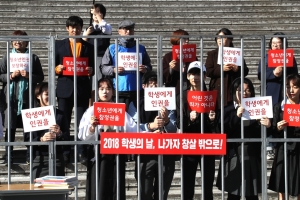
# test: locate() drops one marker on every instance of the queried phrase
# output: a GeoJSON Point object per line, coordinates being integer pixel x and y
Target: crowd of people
{"type": "Point", "coordinates": [168, 121]}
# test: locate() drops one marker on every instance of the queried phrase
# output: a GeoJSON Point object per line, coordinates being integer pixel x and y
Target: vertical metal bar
{"type": "Point", "coordinates": [202, 119]}
{"type": "Point", "coordinates": [117, 100]}
{"type": "Point", "coordinates": [181, 114]}
{"type": "Point", "coordinates": [222, 112]}
{"type": "Point", "coordinates": [160, 83]}
{"type": "Point", "coordinates": [97, 157]}
{"type": "Point", "coordinates": [8, 131]}
{"type": "Point", "coordinates": [286, 194]}
{"type": "Point", "coordinates": [264, 194]}
{"type": "Point", "coordinates": [242, 122]}
{"type": "Point", "coordinates": [75, 112]}
{"type": "Point", "coordinates": [30, 106]}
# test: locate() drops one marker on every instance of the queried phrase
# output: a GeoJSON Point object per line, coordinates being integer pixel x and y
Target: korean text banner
{"type": "Point", "coordinates": [188, 52]}
{"type": "Point", "coordinates": [19, 61]}
{"type": "Point", "coordinates": [81, 64]}
{"type": "Point", "coordinates": [157, 97]}
{"type": "Point", "coordinates": [257, 107]}
{"type": "Point", "coordinates": [110, 113]}
{"type": "Point", "coordinates": [230, 56]}
{"type": "Point", "coordinates": [129, 61]}
{"type": "Point", "coordinates": [291, 114]}
{"type": "Point", "coordinates": [202, 101]}
{"type": "Point", "coordinates": [163, 144]}
{"type": "Point", "coordinates": [36, 119]}
{"type": "Point", "coordinates": [275, 58]}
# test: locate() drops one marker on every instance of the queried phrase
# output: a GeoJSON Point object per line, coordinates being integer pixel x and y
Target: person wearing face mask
{"type": "Point", "coordinates": [18, 90]}
{"type": "Point", "coordinates": [230, 71]}
{"type": "Point", "coordinates": [274, 80]}
{"type": "Point", "coordinates": [59, 132]}
{"type": "Point", "coordinates": [127, 86]}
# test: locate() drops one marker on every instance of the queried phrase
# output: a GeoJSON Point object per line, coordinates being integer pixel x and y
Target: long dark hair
{"type": "Point", "coordinates": [38, 91]}
{"type": "Point", "coordinates": [226, 31]}
{"type": "Point", "coordinates": [108, 81]}
{"type": "Point", "coordinates": [237, 83]}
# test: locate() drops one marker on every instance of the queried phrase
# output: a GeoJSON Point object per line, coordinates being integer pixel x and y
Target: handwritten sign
{"type": "Point", "coordinates": [230, 56]}
{"type": "Point", "coordinates": [110, 113]}
{"type": "Point", "coordinates": [19, 61]}
{"type": "Point", "coordinates": [257, 107]}
{"type": "Point", "coordinates": [188, 52]}
{"type": "Point", "coordinates": [129, 60]}
{"type": "Point", "coordinates": [36, 119]}
{"type": "Point", "coordinates": [157, 97]}
{"type": "Point", "coordinates": [81, 64]}
{"type": "Point", "coordinates": [202, 101]}
{"type": "Point", "coordinates": [275, 58]}
{"type": "Point", "coordinates": [291, 114]}
{"type": "Point", "coordinates": [163, 144]}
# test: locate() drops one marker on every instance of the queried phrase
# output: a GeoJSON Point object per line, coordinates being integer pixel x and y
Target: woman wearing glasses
{"type": "Point", "coordinates": [274, 79]}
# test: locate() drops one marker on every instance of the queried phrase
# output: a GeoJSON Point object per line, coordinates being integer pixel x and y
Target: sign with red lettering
{"type": "Point", "coordinates": [36, 119]}
{"type": "Point", "coordinates": [257, 107]}
{"type": "Point", "coordinates": [202, 101]}
{"type": "Point", "coordinates": [275, 58]}
{"type": "Point", "coordinates": [230, 56]}
{"type": "Point", "coordinates": [188, 52]}
{"type": "Point", "coordinates": [110, 113]}
{"type": "Point", "coordinates": [157, 97]}
{"type": "Point", "coordinates": [19, 61]}
{"type": "Point", "coordinates": [81, 64]}
{"type": "Point", "coordinates": [291, 114]}
{"type": "Point", "coordinates": [129, 61]}
{"type": "Point", "coordinates": [163, 144]}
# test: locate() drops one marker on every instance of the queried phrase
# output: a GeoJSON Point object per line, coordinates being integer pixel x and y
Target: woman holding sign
{"type": "Point", "coordinates": [18, 90]}
{"type": "Point", "coordinates": [277, 181]}
{"type": "Point", "coordinates": [231, 71]}
{"type": "Point", "coordinates": [171, 66]}
{"type": "Point", "coordinates": [107, 165]}
{"type": "Point", "coordinates": [252, 154]}
{"type": "Point", "coordinates": [274, 78]}
{"type": "Point", "coordinates": [59, 131]}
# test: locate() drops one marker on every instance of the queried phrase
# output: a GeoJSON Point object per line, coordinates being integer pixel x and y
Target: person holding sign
{"type": "Point", "coordinates": [171, 66]}
{"type": "Point", "coordinates": [18, 90]}
{"type": "Point", "coordinates": [59, 131]}
{"type": "Point", "coordinates": [107, 165]}
{"type": "Point", "coordinates": [252, 153]}
{"type": "Point", "coordinates": [65, 83]}
{"type": "Point", "coordinates": [231, 71]}
{"type": "Point", "coordinates": [279, 124]}
{"type": "Point", "coordinates": [192, 124]}
{"type": "Point", "coordinates": [274, 79]}
{"type": "Point", "coordinates": [151, 122]}
{"type": "Point", "coordinates": [127, 63]}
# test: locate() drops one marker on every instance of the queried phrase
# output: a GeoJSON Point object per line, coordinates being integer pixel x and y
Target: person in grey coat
{"type": "Point", "coordinates": [18, 90]}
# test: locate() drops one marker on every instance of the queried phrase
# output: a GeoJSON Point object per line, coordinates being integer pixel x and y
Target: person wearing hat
{"type": "Point", "coordinates": [127, 86]}
{"type": "Point", "coordinates": [192, 124]}
{"type": "Point", "coordinates": [151, 122]}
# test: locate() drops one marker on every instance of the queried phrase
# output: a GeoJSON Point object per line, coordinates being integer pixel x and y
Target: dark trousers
{"type": "Point", "coordinates": [190, 164]}
{"type": "Point", "coordinates": [107, 188]}
{"type": "Point", "coordinates": [66, 105]}
{"type": "Point", "coordinates": [40, 166]}
{"type": "Point", "coordinates": [149, 177]}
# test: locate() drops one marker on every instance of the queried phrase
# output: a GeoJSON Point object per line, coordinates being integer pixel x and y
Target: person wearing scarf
{"type": "Point", "coordinates": [18, 90]}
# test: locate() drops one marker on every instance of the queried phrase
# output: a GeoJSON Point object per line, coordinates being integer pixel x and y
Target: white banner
{"type": "Point", "coordinates": [257, 107]}
{"type": "Point", "coordinates": [157, 97]}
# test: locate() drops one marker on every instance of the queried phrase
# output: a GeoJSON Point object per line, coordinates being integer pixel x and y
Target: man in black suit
{"type": "Point", "coordinates": [65, 84]}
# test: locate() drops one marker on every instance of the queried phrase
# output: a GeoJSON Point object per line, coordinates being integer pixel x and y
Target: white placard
{"type": "Point", "coordinates": [129, 61]}
{"type": "Point", "coordinates": [157, 97]}
{"type": "Point", "coordinates": [257, 107]}
{"type": "Point", "coordinates": [36, 119]}
{"type": "Point", "coordinates": [19, 61]}
{"type": "Point", "coordinates": [230, 56]}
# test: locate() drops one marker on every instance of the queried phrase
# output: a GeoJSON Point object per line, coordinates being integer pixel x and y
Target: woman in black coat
{"type": "Point", "coordinates": [252, 154]}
